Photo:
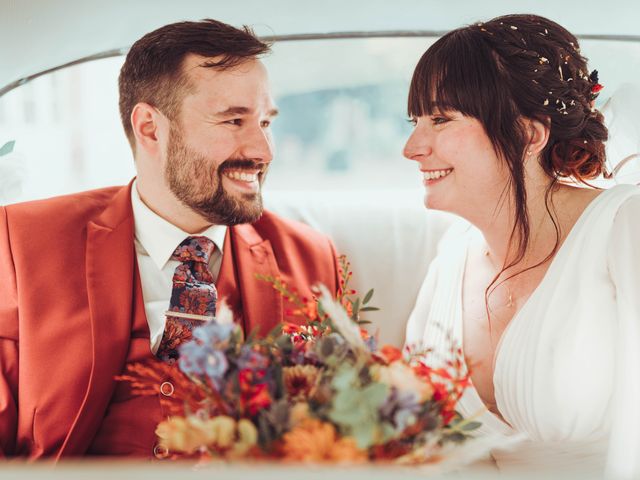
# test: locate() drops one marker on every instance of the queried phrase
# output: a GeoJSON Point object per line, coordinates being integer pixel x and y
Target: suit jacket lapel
{"type": "Point", "coordinates": [262, 306]}
{"type": "Point", "coordinates": [110, 269]}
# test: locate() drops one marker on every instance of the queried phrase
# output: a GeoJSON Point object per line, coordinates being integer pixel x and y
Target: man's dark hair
{"type": "Point", "coordinates": [152, 72]}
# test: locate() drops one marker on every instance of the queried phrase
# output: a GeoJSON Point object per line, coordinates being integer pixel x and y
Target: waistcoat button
{"type": "Point", "coordinates": [166, 389]}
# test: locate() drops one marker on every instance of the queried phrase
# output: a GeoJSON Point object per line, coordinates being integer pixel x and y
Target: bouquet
{"type": "Point", "coordinates": [318, 391]}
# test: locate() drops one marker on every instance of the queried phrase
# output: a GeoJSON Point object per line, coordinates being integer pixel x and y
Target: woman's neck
{"type": "Point", "coordinates": [502, 241]}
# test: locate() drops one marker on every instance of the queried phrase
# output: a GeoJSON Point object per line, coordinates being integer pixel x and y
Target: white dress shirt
{"type": "Point", "coordinates": [155, 240]}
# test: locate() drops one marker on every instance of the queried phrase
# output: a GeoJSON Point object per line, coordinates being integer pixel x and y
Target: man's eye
{"type": "Point", "coordinates": [235, 121]}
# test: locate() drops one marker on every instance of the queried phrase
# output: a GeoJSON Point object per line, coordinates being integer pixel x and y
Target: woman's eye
{"type": "Point", "coordinates": [265, 123]}
{"type": "Point", "coordinates": [412, 121]}
{"type": "Point", "coordinates": [438, 120]}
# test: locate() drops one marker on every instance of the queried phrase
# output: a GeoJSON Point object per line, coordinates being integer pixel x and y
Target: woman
{"type": "Point", "coordinates": [540, 283]}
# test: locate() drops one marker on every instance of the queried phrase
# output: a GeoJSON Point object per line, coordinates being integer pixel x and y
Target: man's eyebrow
{"type": "Point", "coordinates": [233, 111]}
{"type": "Point", "coordinates": [243, 111]}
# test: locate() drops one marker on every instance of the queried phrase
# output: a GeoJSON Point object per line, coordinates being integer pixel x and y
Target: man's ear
{"type": "Point", "coordinates": [538, 133]}
{"type": "Point", "coordinates": [146, 122]}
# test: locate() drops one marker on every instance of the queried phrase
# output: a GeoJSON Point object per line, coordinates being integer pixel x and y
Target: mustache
{"type": "Point", "coordinates": [242, 163]}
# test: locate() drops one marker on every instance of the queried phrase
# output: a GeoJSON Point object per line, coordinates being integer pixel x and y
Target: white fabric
{"type": "Point", "coordinates": [155, 241]}
{"type": "Point", "coordinates": [564, 354]}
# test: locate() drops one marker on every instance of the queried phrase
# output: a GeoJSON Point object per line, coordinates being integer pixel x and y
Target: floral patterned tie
{"type": "Point", "coordinates": [193, 298]}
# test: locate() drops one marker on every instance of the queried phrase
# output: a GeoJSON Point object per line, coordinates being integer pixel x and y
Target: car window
{"type": "Point", "coordinates": [342, 123]}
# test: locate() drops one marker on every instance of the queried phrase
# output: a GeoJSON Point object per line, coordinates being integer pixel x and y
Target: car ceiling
{"type": "Point", "coordinates": [39, 35]}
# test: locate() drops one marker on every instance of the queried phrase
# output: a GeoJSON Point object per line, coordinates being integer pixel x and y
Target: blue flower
{"type": "Point", "coordinates": [217, 366]}
{"type": "Point", "coordinates": [213, 333]}
{"type": "Point", "coordinates": [203, 361]}
{"type": "Point", "coordinates": [372, 344]}
{"type": "Point", "coordinates": [400, 409]}
{"type": "Point", "coordinates": [251, 359]}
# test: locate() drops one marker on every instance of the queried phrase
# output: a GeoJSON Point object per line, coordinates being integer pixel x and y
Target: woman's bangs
{"type": "Point", "coordinates": [449, 76]}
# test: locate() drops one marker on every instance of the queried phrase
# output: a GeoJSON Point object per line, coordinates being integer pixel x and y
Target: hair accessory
{"type": "Point", "coordinates": [596, 87]}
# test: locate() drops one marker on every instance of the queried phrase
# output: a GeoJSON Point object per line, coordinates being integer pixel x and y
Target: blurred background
{"type": "Point", "coordinates": [339, 70]}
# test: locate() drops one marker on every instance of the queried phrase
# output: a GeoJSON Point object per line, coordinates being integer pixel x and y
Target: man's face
{"type": "Point", "coordinates": [220, 146]}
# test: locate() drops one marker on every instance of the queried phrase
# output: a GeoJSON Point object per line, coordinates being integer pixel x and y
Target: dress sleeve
{"type": "Point", "coordinates": [623, 257]}
{"type": "Point", "coordinates": [418, 318]}
{"type": "Point", "coordinates": [448, 250]}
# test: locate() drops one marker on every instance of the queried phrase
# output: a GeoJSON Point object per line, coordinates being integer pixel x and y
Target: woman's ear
{"type": "Point", "coordinates": [538, 133]}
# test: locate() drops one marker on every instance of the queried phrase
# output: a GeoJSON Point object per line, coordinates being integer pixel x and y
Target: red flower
{"type": "Point", "coordinates": [596, 88]}
{"type": "Point", "coordinates": [254, 394]}
{"type": "Point", "coordinates": [258, 399]}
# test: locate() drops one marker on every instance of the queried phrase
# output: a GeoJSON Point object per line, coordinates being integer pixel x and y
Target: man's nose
{"type": "Point", "coordinates": [258, 145]}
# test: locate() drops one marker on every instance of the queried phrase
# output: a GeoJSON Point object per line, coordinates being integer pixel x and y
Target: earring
{"type": "Point", "coordinates": [528, 152]}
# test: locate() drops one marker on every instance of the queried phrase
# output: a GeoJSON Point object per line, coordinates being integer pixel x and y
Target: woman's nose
{"type": "Point", "coordinates": [417, 145]}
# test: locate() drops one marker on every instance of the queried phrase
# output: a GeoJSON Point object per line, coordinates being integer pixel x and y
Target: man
{"type": "Point", "coordinates": [92, 282]}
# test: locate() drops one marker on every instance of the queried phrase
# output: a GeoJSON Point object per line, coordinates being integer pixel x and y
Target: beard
{"type": "Point", "coordinates": [198, 185]}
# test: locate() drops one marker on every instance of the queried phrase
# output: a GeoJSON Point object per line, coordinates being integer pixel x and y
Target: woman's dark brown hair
{"type": "Point", "coordinates": [506, 69]}
{"type": "Point", "coordinates": [152, 71]}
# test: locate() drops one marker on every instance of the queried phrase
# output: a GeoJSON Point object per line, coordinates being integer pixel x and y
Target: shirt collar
{"type": "Point", "coordinates": [159, 237]}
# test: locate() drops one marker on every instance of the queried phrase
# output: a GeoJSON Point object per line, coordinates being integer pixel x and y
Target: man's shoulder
{"type": "Point", "coordinates": [63, 209]}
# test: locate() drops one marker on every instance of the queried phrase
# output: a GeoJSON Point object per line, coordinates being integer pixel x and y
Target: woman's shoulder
{"type": "Point", "coordinates": [619, 196]}
{"type": "Point", "coordinates": [599, 209]}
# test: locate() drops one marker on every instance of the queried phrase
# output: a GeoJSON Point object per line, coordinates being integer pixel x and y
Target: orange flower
{"type": "Point", "coordinates": [289, 328]}
{"type": "Point", "coordinates": [311, 310]}
{"type": "Point", "coordinates": [391, 353]}
{"type": "Point", "coordinates": [300, 381]}
{"type": "Point", "coordinates": [316, 441]}
{"type": "Point", "coordinates": [348, 306]}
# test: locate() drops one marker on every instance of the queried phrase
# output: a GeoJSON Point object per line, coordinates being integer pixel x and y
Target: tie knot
{"type": "Point", "coordinates": [194, 249]}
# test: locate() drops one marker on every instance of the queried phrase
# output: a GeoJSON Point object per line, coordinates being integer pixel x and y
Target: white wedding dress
{"type": "Point", "coordinates": [567, 367]}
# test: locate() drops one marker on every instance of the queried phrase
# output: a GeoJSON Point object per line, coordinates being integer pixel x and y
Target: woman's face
{"type": "Point", "coordinates": [462, 173]}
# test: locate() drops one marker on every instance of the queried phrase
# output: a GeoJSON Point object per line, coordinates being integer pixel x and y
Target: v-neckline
{"type": "Point", "coordinates": [554, 261]}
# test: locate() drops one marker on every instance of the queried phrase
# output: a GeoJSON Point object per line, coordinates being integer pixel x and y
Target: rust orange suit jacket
{"type": "Point", "coordinates": [67, 273]}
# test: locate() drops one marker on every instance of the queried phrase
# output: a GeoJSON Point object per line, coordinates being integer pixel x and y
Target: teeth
{"type": "Point", "coordinates": [435, 174]}
{"type": "Point", "coordinates": [242, 176]}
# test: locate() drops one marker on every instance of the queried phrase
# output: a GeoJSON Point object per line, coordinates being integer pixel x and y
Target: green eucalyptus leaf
{"type": "Point", "coordinates": [356, 309]}
{"type": "Point", "coordinates": [365, 434]}
{"type": "Point", "coordinates": [375, 394]}
{"type": "Point", "coordinates": [7, 148]}
{"type": "Point", "coordinates": [467, 427]}
{"type": "Point", "coordinates": [369, 309]}
{"type": "Point", "coordinates": [345, 377]}
{"type": "Point", "coordinates": [347, 410]}
{"type": "Point", "coordinates": [388, 432]}
{"type": "Point", "coordinates": [367, 297]}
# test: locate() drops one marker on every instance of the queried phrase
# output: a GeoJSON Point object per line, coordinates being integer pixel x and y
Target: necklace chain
{"type": "Point", "coordinates": [509, 294]}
